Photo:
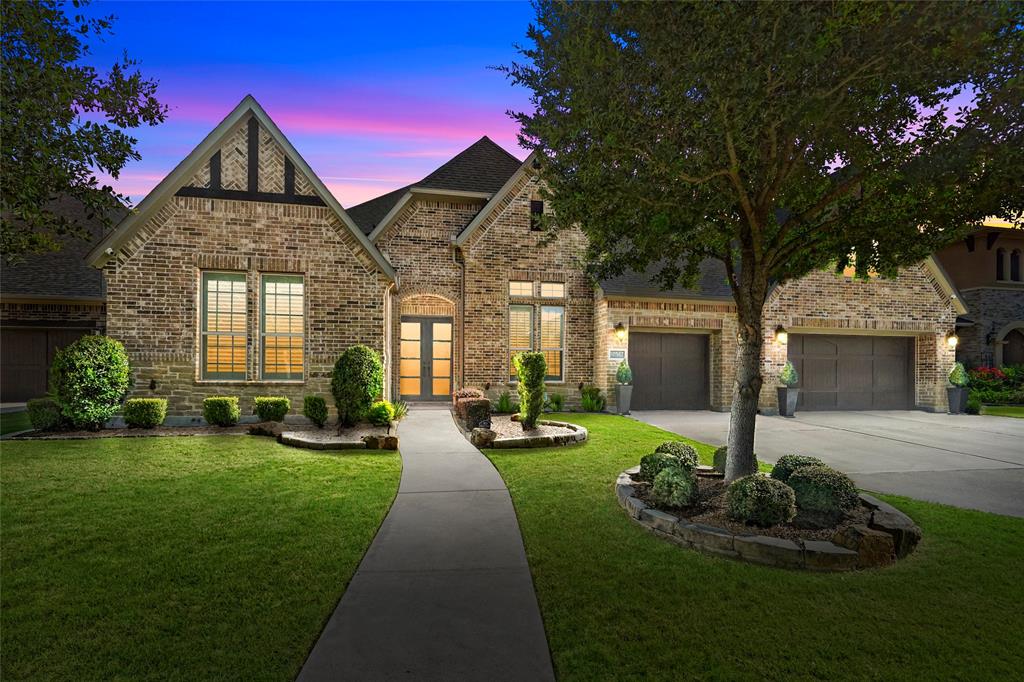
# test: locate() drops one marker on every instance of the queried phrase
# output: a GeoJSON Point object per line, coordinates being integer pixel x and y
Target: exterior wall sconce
{"type": "Point", "coordinates": [620, 331]}
{"type": "Point", "coordinates": [952, 339]}
{"type": "Point", "coordinates": [781, 335]}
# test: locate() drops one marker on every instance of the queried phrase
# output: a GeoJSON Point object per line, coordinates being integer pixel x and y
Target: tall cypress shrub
{"type": "Point", "coordinates": [531, 369]}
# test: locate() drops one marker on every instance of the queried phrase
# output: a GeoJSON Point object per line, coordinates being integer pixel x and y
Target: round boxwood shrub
{"type": "Point", "coordinates": [145, 413]}
{"type": "Point", "coordinates": [686, 455]}
{"type": "Point", "coordinates": [787, 464]}
{"type": "Point", "coordinates": [674, 486]}
{"type": "Point", "coordinates": [271, 408]}
{"type": "Point", "coordinates": [221, 410]}
{"type": "Point", "coordinates": [89, 379]}
{"type": "Point", "coordinates": [357, 381]}
{"type": "Point", "coordinates": [822, 490]}
{"type": "Point", "coordinates": [381, 413]}
{"type": "Point", "coordinates": [760, 501]}
{"type": "Point", "coordinates": [314, 408]}
{"type": "Point", "coordinates": [653, 464]}
{"type": "Point", "coordinates": [44, 414]}
{"type": "Point", "coordinates": [720, 456]}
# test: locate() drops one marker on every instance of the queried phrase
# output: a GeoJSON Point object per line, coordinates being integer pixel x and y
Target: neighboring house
{"type": "Point", "coordinates": [240, 274]}
{"type": "Point", "coordinates": [46, 302]}
{"type": "Point", "coordinates": [988, 269]}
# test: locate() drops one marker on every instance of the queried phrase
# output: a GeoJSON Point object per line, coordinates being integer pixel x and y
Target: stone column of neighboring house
{"type": "Point", "coordinates": [910, 305]}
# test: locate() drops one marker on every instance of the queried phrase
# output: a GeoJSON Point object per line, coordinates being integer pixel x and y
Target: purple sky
{"type": "Point", "coordinates": [373, 95]}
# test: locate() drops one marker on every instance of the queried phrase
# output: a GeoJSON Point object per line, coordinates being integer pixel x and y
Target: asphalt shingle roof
{"type": "Point", "coordinates": [711, 283]}
{"type": "Point", "coordinates": [484, 166]}
{"type": "Point", "coordinates": [63, 273]}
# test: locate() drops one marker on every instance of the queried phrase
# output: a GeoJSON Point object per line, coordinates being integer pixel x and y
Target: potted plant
{"type": "Point", "coordinates": [788, 394]}
{"type": "Point", "coordinates": [624, 389]}
{"type": "Point", "coordinates": [957, 392]}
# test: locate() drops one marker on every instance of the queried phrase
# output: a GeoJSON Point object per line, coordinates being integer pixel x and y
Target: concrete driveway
{"type": "Point", "coordinates": [975, 462]}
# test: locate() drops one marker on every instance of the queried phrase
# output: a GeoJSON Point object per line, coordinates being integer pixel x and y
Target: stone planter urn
{"type": "Point", "coordinates": [957, 399]}
{"type": "Point", "coordinates": [787, 400]}
{"type": "Point", "coordinates": [623, 395]}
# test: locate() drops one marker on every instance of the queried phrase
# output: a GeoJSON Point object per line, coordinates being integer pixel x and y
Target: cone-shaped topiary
{"type": "Point", "coordinates": [958, 375]}
{"type": "Point", "coordinates": [760, 500]}
{"type": "Point", "coordinates": [357, 381]}
{"type": "Point", "coordinates": [789, 377]}
{"type": "Point", "coordinates": [787, 464]}
{"type": "Point", "coordinates": [674, 486]}
{"type": "Point", "coordinates": [624, 375]}
{"type": "Point", "coordinates": [687, 455]}
{"type": "Point", "coordinates": [530, 371]}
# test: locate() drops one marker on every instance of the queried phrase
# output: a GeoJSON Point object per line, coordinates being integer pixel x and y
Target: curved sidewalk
{"type": "Point", "coordinates": [444, 592]}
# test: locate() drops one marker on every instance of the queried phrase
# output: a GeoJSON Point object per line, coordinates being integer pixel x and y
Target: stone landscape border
{"type": "Point", "coordinates": [306, 439]}
{"type": "Point", "coordinates": [889, 535]}
{"type": "Point", "coordinates": [578, 435]}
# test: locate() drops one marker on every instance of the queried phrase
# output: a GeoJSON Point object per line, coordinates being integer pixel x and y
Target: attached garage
{"type": "Point", "coordinates": [853, 372]}
{"type": "Point", "coordinates": [26, 358]}
{"type": "Point", "coordinates": [670, 371]}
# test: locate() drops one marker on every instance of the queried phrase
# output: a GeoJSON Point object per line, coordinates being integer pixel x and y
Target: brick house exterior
{"type": "Point", "coordinates": [447, 278]}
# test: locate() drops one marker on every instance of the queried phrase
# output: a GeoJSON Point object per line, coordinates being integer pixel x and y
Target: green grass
{"type": "Point", "coordinates": [619, 603]}
{"type": "Point", "coordinates": [14, 421]}
{"type": "Point", "coordinates": [178, 558]}
{"type": "Point", "coordinates": [1004, 410]}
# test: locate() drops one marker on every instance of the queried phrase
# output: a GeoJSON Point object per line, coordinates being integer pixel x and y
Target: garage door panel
{"type": "Point", "coordinates": [670, 371]}
{"type": "Point", "coordinates": [25, 359]}
{"type": "Point", "coordinates": [853, 372]}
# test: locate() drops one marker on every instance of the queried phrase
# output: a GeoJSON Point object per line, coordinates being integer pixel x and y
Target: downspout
{"type": "Point", "coordinates": [460, 260]}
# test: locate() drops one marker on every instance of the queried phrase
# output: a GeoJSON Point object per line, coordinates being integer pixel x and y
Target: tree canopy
{"type": "Point", "coordinates": [62, 122]}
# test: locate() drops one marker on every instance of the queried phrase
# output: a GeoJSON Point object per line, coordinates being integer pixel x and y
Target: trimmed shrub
{"type": "Point", "coordinates": [718, 462]}
{"type": "Point", "coordinates": [789, 377]}
{"type": "Point", "coordinates": [314, 408]}
{"type": "Point", "coordinates": [401, 409]}
{"type": "Point", "coordinates": [467, 392]}
{"type": "Point", "coordinates": [530, 370]}
{"type": "Point", "coordinates": [89, 379]}
{"type": "Point", "coordinates": [686, 455]}
{"type": "Point", "coordinates": [145, 413]}
{"type": "Point", "coordinates": [44, 414]}
{"type": "Point", "coordinates": [760, 500]}
{"type": "Point", "coordinates": [356, 383]}
{"type": "Point", "coordinates": [556, 402]}
{"type": "Point", "coordinates": [823, 490]}
{"type": "Point", "coordinates": [221, 410]}
{"type": "Point", "coordinates": [271, 408]}
{"type": "Point", "coordinates": [381, 413]}
{"type": "Point", "coordinates": [787, 464]}
{"type": "Point", "coordinates": [958, 375]}
{"type": "Point", "coordinates": [674, 486]}
{"type": "Point", "coordinates": [591, 399]}
{"type": "Point", "coordinates": [653, 464]}
{"type": "Point", "coordinates": [973, 406]}
{"type": "Point", "coordinates": [624, 375]}
{"type": "Point", "coordinates": [474, 411]}
{"type": "Point", "coordinates": [505, 404]}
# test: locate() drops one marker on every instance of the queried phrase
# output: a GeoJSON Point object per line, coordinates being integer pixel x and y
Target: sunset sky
{"type": "Point", "coordinates": [373, 95]}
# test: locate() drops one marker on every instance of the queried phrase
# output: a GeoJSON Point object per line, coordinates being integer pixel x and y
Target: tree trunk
{"type": "Point", "coordinates": [740, 460]}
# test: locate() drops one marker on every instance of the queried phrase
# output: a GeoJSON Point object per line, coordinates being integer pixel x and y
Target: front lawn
{"type": "Point", "coordinates": [11, 422]}
{"type": "Point", "coordinates": [1004, 410]}
{"type": "Point", "coordinates": [178, 558]}
{"type": "Point", "coordinates": [619, 603]}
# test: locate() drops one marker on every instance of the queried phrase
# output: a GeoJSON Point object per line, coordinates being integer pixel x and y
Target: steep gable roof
{"type": "Point", "coordinates": [194, 162]}
{"type": "Point", "coordinates": [481, 168]}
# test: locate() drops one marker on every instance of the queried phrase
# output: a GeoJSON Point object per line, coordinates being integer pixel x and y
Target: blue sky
{"type": "Point", "coordinates": [373, 95]}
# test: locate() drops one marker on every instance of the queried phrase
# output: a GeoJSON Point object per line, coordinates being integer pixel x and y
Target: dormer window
{"type": "Point", "coordinates": [536, 214]}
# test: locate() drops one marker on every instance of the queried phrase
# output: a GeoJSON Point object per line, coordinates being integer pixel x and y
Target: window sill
{"type": "Point", "coordinates": [246, 382]}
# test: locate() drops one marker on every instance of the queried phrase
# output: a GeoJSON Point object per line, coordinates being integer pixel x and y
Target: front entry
{"type": "Point", "coordinates": [425, 362]}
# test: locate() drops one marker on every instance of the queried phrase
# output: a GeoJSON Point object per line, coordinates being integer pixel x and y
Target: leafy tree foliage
{"type": "Point", "coordinates": [779, 138]}
{"type": "Point", "coordinates": [62, 122]}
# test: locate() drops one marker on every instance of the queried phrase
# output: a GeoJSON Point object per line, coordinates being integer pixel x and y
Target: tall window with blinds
{"type": "Point", "coordinates": [552, 339]}
{"type": "Point", "coordinates": [282, 326]}
{"type": "Point", "coordinates": [520, 333]}
{"type": "Point", "coordinates": [223, 326]}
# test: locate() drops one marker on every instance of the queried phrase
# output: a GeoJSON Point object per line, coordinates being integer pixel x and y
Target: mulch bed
{"type": "Point", "coordinates": [506, 428]}
{"type": "Point", "coordinates": [709, 509]}
{"type": "Point", "coordinates": [329, 432]}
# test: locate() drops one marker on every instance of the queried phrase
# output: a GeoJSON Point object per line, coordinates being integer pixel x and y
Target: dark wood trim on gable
{"type": "Point", "coordinates": [254, 155]}
{"type": "Point", "coordinates": [289, 178]}
{"type": "Point", "coordinates": [240, 195]}
{"type": "Point", "coordinates": [990, 240]}
{"type": "Point", "coordinates": [215, 170]}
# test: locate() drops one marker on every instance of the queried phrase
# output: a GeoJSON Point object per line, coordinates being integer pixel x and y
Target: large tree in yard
{"type": "Point", "coordinates": [779, 138]}
{"type": "Point", "coordinates": [61, 122]}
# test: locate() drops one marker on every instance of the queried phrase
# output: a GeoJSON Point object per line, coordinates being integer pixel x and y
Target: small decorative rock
{"type": "Point", "coordinates": [873, 547]}
{"type": "Point", "coordinates": [482, 438]}
{"type": "Point", "coordinates": [390, 443]}
{"type": "Point", "coordinates": [905, 533]}
{"type": "Point", "coordinates": [373, 442]}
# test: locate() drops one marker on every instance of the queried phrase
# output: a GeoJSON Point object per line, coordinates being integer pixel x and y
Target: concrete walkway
{"type": "Point", "coordinates": [975, 462]}
{"type": "Point", "coordinates": [444, 592]}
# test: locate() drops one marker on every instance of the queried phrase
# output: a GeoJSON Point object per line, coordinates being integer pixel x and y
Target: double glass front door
{"type": "Point", "coordinates": [425, 359]}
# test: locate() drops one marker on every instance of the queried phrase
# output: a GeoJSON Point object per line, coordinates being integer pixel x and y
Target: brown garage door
{"type": "Point", "coordinates": [670, 371]}
{"type": "Point", "coordinates": [26, 358]}
{"type": "Point", "coordinates": [853, 372]}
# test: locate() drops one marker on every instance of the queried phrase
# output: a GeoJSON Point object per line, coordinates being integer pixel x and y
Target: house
{"type": "Point", "coordinates": [987, 268]}
{"type": "Point", "coordinates": [47, 301]}
{"type": "Point", "coordinates": [241, 274]}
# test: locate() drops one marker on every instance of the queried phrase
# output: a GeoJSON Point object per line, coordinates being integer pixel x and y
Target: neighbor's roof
{"type": "Point", "coordinates": [711, 283]}
{"type": "Point", "coordinates": [62, 274]}
{"type": "Point", "coordinates": [483, 167]}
